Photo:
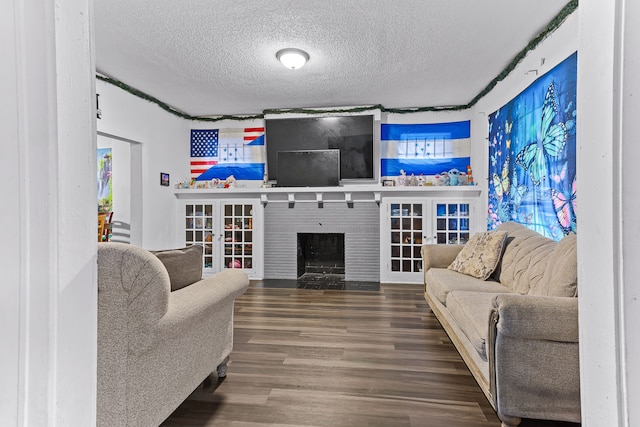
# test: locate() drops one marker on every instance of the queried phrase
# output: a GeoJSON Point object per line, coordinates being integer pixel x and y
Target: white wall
{"type": "Point", "coordinates": [598, 287]}
{"type": "Point", "coordinates": [224, 124]}
{"type": "Point", "coordinates": [608, 156]}
{"type": "Point", "coordinates": [164, 148]}
{"type": "Point", "coordinates": [11, 307]}
{"type": "Point", "coordinates": [48, 225]}
{"type": "Point", "coordinates": [630, 213]}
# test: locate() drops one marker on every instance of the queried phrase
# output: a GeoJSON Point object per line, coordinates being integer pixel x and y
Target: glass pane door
{"type": "Point", "coordinates": [199, 229]}
{"type": "Point", "coordinates": [406, 222]}
{"type": "Point", "coordinates": [452, 223]}
{"type": "Point", "coordinates": [238, 236]}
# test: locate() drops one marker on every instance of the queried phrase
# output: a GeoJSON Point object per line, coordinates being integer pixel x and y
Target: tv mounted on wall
{"type": "Point", "coordinates": [309, 168]}
{"type": "Point", "coordinates": [352, 136]}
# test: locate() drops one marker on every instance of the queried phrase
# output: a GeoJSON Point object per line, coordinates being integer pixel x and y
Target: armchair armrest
{"type": "Point", "coordinates": [438, 256]}
{"type": "Point", "coordinates": [191, 303]}
{"type": "Point", "coordinates": [537, 317]}
{"type": "Point", "coordinates": [133, 294]}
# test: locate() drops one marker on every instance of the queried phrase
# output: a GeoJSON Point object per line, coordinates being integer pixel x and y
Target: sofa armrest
{"type": "Point", "coordinates": [537, 317]}
{"type": "Point", "coordinates": [534, 365]}
{"type": "Point", "coordinates": [438, 256]}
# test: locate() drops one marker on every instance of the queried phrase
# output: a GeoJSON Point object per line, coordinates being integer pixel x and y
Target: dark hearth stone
{"type": "Point", "coordinates": [318, 284]}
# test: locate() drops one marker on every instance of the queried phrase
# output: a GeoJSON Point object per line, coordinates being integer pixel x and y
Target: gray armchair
{"type": "Point", "coordinates": [155, 346]}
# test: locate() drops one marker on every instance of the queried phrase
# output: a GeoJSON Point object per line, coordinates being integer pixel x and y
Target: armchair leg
{"type": "Point", "coordinates": [221, 370]}
{"type": "Point", "coordinates": [508, 421]}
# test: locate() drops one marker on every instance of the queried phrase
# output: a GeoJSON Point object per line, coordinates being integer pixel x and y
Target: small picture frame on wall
{"type": "Point", "coordinates": [388, 183]}
{"type": "Point", "coordinates": [164, 179]}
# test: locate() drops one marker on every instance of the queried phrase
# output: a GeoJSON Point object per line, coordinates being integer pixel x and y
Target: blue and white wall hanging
{"type": "Point", "coordinates": [532, 155]}
{"type": "Point", "coordinates": [424, 149]}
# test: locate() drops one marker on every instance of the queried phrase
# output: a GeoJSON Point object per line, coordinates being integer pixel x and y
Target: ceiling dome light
{"type": "Point", "coordinates": [292, 58]}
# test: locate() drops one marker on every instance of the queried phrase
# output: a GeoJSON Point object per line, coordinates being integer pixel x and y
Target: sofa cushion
{"type": "Point", "coordinates": [525, 257]}
{"type": "Point", "coordinates": [470, 311]}
{"type": "Point", "coordinates": [560, 277]}
{"type": "Point", "coordinates": [441, 281]}
{"type": "Point", "coordinates": [480, 255]}
{"type": "Point", "coordinates": [184, 265]}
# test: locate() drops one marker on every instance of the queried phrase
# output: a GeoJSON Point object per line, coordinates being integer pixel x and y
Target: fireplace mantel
{"type": "Point", "coordinates": [347, 193]}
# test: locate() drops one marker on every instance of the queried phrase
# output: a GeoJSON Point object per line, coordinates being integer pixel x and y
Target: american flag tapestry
{"type": "Point", "coordinates": [424, 149]}
{"type": "Point", "coordinates": [532, 155]}
{"type": "Point", "coordinates": [219, 153]}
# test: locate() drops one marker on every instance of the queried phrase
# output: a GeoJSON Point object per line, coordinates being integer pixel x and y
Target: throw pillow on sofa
{"type": "Point", "coordinates": [184, 265]}
{"type": "Point", "coordinates": [480, 256]}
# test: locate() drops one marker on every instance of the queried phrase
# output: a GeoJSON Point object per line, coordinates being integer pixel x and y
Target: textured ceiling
{"type": "Point", "coordinates": [212, 57]}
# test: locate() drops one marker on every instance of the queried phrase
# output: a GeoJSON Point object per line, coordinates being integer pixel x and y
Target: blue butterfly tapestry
{"type": "Point", "coordinates": [532, 155]}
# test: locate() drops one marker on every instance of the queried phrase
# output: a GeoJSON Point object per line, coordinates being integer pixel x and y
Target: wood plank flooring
{"type": "Point", "coordinates": [339, 358]}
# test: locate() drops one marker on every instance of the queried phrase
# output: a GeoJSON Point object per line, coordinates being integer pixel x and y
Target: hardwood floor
{"type": "Point", "coordinates": [339, 358]}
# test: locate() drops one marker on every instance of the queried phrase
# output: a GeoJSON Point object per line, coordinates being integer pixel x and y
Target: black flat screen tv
{"type": "Point", "coordinates": [351, 135]}
{"type": "Point", "coordinates": [309, 168]}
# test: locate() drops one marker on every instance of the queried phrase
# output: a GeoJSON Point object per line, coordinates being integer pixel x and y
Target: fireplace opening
{"type": "Point", "coordinates": [321, 257]}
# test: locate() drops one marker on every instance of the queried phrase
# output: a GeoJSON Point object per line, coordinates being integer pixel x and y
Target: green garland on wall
{"type": "Point", "coordinates": [551, 27]}
{"type": "Point", "coordinates": [169, 108]}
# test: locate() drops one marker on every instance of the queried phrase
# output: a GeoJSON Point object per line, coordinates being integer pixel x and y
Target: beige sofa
{"type": "Point", "coordinates": [517, 331]}
{"type": "Point", "coordinates": [155, 346]}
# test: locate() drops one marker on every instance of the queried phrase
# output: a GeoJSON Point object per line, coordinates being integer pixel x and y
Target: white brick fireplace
{"type": "Point", "coordinates": [359, 223]}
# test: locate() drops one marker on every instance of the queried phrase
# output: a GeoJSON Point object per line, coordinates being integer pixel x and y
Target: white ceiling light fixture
{"type": "Point", "coordinates": [292, 58]}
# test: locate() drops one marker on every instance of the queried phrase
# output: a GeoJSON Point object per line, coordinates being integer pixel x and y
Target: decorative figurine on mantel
{"type": "Point", "coordinates": [454, 175]}
{"type": "Point", "coordinates": [402, 179]}
{"type": "Point", "coordinates": [230, 182]}
{"type": "Point", "coordinates": [442, 179]}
